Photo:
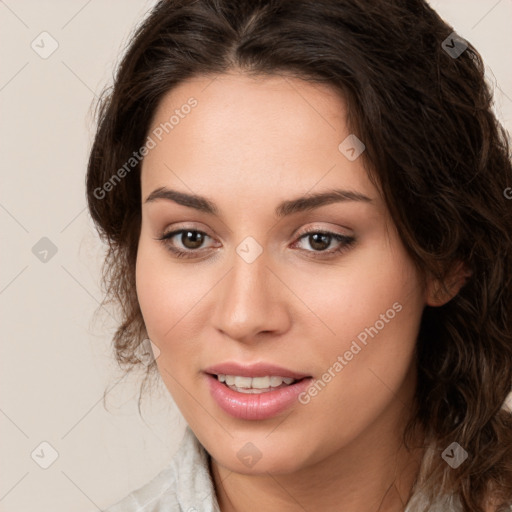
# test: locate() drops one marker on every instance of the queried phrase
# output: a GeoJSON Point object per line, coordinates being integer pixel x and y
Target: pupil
{"type": "Point", "coordinates": [322, 244]}
{"type": "Point", "coordinates": [192, 239]}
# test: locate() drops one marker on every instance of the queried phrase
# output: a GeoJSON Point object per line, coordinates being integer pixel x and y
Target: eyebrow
{"type": "Point", "coordinates": [285, 208]}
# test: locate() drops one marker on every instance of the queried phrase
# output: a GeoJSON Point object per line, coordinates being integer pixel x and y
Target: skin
{"type": "Point", "coordinates": [249, 144]}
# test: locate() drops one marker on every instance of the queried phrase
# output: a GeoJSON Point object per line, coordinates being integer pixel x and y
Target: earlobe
{"type": "Point", "coordinates": [438, 295]}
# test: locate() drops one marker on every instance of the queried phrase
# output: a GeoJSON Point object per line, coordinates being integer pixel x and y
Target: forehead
{"type": "Point", "coordinates": [264, 134]}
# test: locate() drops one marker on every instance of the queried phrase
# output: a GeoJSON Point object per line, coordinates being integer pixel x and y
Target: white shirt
{"type": "Point", "coordinates": [185, 485]}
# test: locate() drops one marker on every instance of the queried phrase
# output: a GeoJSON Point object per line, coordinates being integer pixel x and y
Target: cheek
{"type": "Point", "coordinates": [150, 292]}
{"type": "Point", "coordinates": [168, 300]}
{"type": "Point", "coordinates": [377, 319]}
{"type": "Point", "coordinates": [377, 285]}
{"type": "Point", "coordinates": [374, 306]}
{"type": "Point", "coordinates": [157, 291]}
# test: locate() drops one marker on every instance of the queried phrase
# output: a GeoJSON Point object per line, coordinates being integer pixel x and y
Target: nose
{"type": "Point", "coordinates": [251, 301]}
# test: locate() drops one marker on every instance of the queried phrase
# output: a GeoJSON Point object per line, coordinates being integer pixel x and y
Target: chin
{"type": "Point", "coordinates": [279, 463]}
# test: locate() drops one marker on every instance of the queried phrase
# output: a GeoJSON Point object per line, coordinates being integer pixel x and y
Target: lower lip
{"type": "Point", "coordinates": [258, 406]}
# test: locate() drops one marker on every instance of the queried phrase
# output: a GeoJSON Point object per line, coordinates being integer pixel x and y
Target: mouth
{"type": "Point", "coordinates": [255, 385]}
{"type": "Point", "coordinates": [256, 392]}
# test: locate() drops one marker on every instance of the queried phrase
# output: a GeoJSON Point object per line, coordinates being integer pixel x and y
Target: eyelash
{"type": "Point", "coordinates": [345, 241]}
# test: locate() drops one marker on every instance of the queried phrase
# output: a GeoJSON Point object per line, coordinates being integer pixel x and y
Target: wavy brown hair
{"type": "Point", "coordinates": [433, 148]}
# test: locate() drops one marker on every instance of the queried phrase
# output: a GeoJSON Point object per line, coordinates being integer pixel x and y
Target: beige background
{"type": "Point", "coordinates": [55, 360]}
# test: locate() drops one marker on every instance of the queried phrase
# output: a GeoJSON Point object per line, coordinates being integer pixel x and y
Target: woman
{"type": "Point", "coordinates": [305, 209]}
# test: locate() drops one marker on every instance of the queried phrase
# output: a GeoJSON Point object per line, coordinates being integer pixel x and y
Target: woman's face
{"type": "Point", "coordinates": [254, 291]}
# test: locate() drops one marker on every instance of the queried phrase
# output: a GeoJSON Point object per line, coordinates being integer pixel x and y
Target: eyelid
{"type": "Point", "coordinates": [166, 235]}
{"type": "Point", "coordinates": [316, 228]}
{"type": "Point", "coordinates": [176, 228]}
{"type": "Point", "coordinates": [297, 234]}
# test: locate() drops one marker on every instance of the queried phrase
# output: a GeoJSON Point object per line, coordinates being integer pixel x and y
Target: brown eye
{"type": "Point", "coordinates": [192, 239]}
{"type": "Point", "coordinates": [187, 245]}
{"type": "Point", "coordinates": [320, 241]}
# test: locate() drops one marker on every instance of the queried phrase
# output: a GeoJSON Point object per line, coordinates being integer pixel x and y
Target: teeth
{"type": "Point", "coordinates": [277, 381]}
{"type": "Point", "coordinates": [254, 382]}
{"type": "Point", "coordinates": [260, 382]}
{"type": "Point", "coordinates": [243, 382]}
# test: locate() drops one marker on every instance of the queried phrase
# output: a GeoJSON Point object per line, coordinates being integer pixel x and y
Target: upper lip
{"type": "Point", "coordinates": [253, 370]}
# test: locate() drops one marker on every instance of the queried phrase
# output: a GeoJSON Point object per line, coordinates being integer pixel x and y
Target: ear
{"type": "Point", "coordinates": [437, 294]}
